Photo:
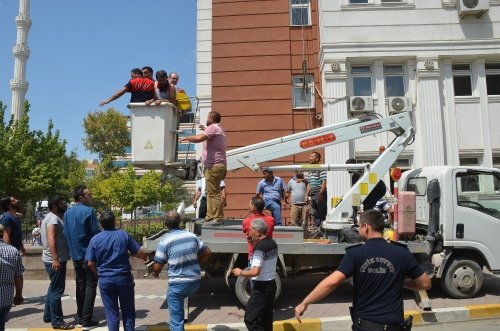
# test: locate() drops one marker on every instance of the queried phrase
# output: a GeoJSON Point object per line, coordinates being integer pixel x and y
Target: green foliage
{"type": "Point", "coordinates": [139, 231]}
{"type": "Point", "coordinates": [125, 191]}
{"type": "Point", "coordinates": [33, 162]}
{"type": "Point", "coordinates": [107, 133]}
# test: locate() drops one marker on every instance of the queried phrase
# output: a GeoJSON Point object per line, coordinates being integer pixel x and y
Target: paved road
{"type": "Point", "coordinates": [483, 325]}
{"type": "Point", "coordinates": [215, 304]}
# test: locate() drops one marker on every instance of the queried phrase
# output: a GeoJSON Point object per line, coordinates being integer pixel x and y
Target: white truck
{"type": "Point", "coordinates": [457, 211]}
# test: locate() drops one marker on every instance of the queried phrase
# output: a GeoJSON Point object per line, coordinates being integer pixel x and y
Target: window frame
{"type": "Point", "coordinates": [355, 75]}
{"type": "Point", "coordinates": [462, 73]}
{"type": "Point", "coordinates": [293, 6]}
{"type": "Point", "coordinates": [310, 84]}
{"type": "Point", "coordinates": [395, 74]}
{"type": "Point", "coordinates": [491, 72]}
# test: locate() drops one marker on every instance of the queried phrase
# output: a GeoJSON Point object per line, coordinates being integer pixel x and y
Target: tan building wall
{"type": "Point", "coordinates": [255, 53]}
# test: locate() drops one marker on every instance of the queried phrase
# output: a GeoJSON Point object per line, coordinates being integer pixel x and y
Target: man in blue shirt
{"type": "Point", "coordinates": [107, 255]}
{"type": "Point", "coordinates": [183, 252]}
{"type": "Point", "coordinates": [13, 235]}
{"type": "Point", "coordinates": [379, 271]}
{"type": "Point", "coordinates": [80, 224]}
{"type": "Point", "coordinates": [272, 190]}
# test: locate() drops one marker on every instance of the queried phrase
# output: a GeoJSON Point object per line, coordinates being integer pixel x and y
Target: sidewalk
{"type": "Point", "coordinates": [216, 305]}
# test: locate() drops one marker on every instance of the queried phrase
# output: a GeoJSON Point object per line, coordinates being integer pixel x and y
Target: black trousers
{"type": "Point", "coordinates": [259, 311]}
{"type": "Point", "coordinates": [202, 211]}
{"type": "Point", "coordinates": [360, 328]}
{"type": "Point", "coordinates": [86, 287]}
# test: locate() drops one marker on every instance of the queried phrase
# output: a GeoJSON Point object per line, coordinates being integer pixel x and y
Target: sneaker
{"type": "Point", "coordinates": [63, 326]}
{"type": "Point", "coordinates": [90, 326]}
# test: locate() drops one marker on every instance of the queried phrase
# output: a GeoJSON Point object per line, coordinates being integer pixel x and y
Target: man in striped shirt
{"type": "Point", "coordinates": [316, 191]}
{"type": "Point", "coordinates": [10, 269]}
{"type": "Point", "coordinates": [183, 252]}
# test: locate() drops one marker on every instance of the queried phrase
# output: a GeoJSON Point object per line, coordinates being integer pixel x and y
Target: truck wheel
{"type": "Point", "coordinates": [243, 290]}
{"type": "Point", "coordinates": [462, 278]}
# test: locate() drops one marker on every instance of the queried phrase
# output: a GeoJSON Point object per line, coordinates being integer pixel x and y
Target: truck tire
{"type": "Point", "coordinates": [242, 289]}
{"type": "Point", "coordinates": [462, 278]}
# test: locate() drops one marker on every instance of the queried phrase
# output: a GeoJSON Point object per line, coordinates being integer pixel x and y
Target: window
{"type": "Point", "coordinates": [394, 80]}
{"type": "Point", "coordinates": [358, 1]}
{"type": "Point", "coordinates": [120, 164]}
{"type": "Point", "coordinates": [187, 132]}
{"type": "Point", "coordinates": [300, 12]}
{"type": "Point", "coordinates": [462, 79]}
{"type": "Point", "coordinates": [187, 118]}
{"type": "Point", "coordinates": [186, 147]}
{"type": "Point", "coordinates": [478, 191]}
{"type": "Point", "coordinates": [127, 150]}
{"type": "Point", "coordinates": [303, 92]}
{"type": "Point", "coordinates": [493, 78]}
{"type": "Point", "coordinates": [469, 161]}
{"type": "Point", "coordinates": [496, 161]}
{"type": "Point", "coordinates": [361, 80]}
{"type": "Point", "coordinates": [417, 185]}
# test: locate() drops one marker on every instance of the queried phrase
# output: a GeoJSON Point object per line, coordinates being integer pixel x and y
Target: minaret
{"type": "Point", "coordinates": [18, 84]}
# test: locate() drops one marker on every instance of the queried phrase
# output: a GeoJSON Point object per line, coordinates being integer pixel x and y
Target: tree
{"type": "Point", "coordinates": [32, 161]}
{"type": "Point", "coordinates": [107, 133]}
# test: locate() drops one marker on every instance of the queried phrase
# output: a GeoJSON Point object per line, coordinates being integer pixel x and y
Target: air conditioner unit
{"type": "Point", "coordinates": [360, 105]}
{"type": "Point", "coordinates": [399, 105]}
{"type": "Point", "coordinates": [472, 7]}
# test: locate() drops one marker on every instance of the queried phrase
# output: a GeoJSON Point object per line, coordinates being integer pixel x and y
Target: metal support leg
{"type": "Point", "coordinates": [423, 300]}
{"type": "Point", "coordinates": [186, 310]}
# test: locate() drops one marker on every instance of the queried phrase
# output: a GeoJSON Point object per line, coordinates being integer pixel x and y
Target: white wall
{"type": "Point", "coordinates": [417, 33]}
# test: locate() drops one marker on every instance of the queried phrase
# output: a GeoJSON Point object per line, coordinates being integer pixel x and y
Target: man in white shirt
{"type": "Point", "coordinates": [200, 195]}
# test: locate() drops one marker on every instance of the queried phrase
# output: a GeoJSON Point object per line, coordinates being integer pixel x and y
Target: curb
{"type": "Point", "coordinates": [420, 318]}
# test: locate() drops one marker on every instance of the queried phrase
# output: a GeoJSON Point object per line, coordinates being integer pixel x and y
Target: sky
{"type": "Point", "coordinates": [82, 51]}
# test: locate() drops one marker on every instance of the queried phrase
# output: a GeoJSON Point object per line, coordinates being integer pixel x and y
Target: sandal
{"type": "Point", "coordinates": [64, 326]}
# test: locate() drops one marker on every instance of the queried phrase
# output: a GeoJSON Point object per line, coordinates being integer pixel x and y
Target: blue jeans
{"type": "Point", "coordinates": [175, 297]}
{"type": "Point", "coordinates": [318, 209]}
{"type": "Point", "coordinates": [53, 309]}
{"type": "Point", "coordinates": [275, 208]}
{"type": "Point", "coordinates": [4, 312]}
{"type": "Point", "coordinates": [120, 288]}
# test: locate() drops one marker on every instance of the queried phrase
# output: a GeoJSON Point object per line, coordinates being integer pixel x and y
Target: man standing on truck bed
{"type": "Point", "coordinates": [316, 191]}
{"type": "Point", "coordinates": [378, 269]}
{"type": "Point", "coordinates": [213, 156]}
{"type": "Point", "coordinates": [272, 190]}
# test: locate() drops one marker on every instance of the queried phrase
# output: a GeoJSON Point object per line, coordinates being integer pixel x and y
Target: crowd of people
{"type": "Point", "coordinates": [144, 88]}
{"type": "Point", "coordinates": [100, 255]}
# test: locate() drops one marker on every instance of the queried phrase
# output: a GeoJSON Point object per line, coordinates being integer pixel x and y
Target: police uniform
{"type": "Point", "coordinates": [378, 270]}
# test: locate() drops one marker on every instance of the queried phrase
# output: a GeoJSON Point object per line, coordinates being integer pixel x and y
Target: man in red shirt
{"type": "Point", "coordinates": [141, 89]}
{"type": "Point", "coordinates": [256, 207]}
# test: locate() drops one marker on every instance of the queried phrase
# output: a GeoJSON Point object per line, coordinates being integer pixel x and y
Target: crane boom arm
{"type": "Point", "coordinates": [251, 156]}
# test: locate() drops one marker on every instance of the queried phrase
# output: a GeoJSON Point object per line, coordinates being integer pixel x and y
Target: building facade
{"type": "Point", "coordinates": [257, 64]}
{"type": "Point", "coordinates": [441, 58]}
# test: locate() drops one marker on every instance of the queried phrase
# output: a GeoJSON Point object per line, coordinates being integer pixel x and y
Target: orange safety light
{"type": "Point", "coordinates": [319, 140]}
{"type": "Point", "coordinates": [396, 174]}
{"type": "Point", "coordinates": [381, 149]}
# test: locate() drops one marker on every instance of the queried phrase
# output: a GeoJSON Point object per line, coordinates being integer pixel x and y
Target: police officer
{"type": "Point", "coordinates": [379, 270]}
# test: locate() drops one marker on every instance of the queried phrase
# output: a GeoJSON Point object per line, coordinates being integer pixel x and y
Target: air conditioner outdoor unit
{"type": "Point", "coordinates": [399, 105]}
{"type": "Point", "coordinates": [360, 105]}
{"type": "Point", "coordinates": [472, 7]}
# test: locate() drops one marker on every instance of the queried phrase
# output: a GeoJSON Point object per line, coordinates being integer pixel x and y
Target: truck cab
{"type": "Point", "coordinates": [458, 209]}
